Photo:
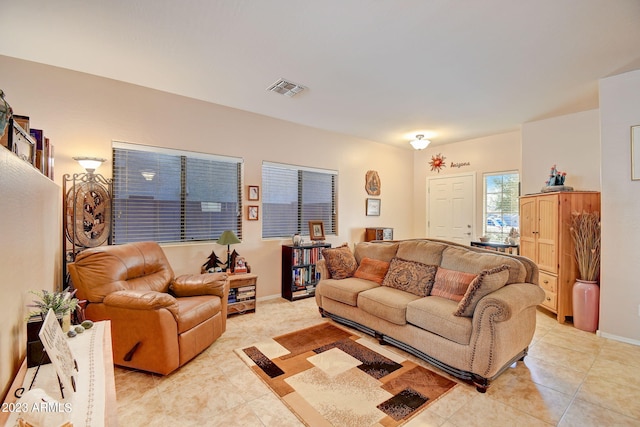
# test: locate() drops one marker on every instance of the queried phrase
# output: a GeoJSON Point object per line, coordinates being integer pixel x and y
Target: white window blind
{"type": "Point", "coordinates": [293, 196]}
{"type": "Point", "coordinates": [167, 195]}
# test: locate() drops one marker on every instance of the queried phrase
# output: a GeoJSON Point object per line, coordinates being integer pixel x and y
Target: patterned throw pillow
{"type": "Point", "coordinates": [372, 269]}
{"type": "Point", "coordinates": [451, 284]}
{"type": "Point", "coordinates": [340, 261]}
{"type": "Point", "coordinates": [486, 282]}
{"type": "Point", "coordinates": [410, 276]}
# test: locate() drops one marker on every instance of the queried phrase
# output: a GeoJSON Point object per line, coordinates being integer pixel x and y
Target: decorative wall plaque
{"type": "Point", "coordinates": [372, 183]}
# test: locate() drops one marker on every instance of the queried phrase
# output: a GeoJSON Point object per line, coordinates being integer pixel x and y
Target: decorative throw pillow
{"type": "Point", "coordinates": [340, 261]}
{"type": "Point", "coordinates": [410, 276]}
{"type": "Point", "coordinates": [486, 282]}
{"type": "Point", "coordinates": [372, 269]}
{"type": "Point", "coordinates": [451, 284]}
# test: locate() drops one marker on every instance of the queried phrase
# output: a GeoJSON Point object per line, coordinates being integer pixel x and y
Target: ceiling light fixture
{"type": "Point", "coordinates": [90, 164]}
{"type": "Point", "coordinates": [419, 143]}
{"type": "Point", "coordinates": [286, 88]}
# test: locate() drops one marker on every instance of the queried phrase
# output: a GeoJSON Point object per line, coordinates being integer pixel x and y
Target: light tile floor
{"type": "Point", "coordinates": [569, 378]}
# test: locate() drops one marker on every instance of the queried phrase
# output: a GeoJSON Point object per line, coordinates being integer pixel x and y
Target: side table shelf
{"type": "Point", "coordinates": [299, 274]}
{"type": "Point", "coordinates": [242, 293]}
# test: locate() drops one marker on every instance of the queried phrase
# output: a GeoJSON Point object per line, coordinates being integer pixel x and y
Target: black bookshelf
{"type": "Point", "coordinates": [299, 272]}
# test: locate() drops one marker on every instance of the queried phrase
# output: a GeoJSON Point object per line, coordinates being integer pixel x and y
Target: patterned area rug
{"type": "Point", "coordinates": [330, 377]}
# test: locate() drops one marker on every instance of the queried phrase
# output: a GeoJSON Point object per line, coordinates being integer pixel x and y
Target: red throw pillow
{"type": "Point", "coordinates": [372, 269]}
{"type": "Point", "coordinates": [451, 284]}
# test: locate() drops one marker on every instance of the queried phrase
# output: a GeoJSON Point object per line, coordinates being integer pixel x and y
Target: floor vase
{"type": "Point", "coordinates": [586, 305]}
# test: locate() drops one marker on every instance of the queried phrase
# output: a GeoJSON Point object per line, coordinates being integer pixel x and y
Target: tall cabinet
{"type": "Point", "coordinates": [545, 221]}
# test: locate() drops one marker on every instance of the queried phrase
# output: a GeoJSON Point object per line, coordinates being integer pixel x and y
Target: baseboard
{"type": "Point", "coordinates": [617, 338]}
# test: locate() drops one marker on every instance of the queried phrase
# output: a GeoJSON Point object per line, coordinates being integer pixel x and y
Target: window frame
{"type": "Point", "coordinates": [204, 219]}
{"type": "Point", "coordinates": [302, 217]}
{"type": "Point", "coordinates": [500, 236]}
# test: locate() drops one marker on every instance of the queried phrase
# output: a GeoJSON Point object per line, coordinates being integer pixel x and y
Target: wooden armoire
{"type": "Point", "coordinates": [545, 222]}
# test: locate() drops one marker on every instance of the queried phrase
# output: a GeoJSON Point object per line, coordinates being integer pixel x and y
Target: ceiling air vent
{"type": "Point", "coordinates": [286, 88]}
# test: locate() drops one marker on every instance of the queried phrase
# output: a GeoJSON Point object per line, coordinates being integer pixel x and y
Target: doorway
{"type": "Point", "coordinates": [451, 207]}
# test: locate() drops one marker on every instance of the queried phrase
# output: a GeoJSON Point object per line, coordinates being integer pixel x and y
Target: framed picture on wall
{"type": "Point", "coordinates": [373, 207]}
{"type": "Point", "coordinates": [254, 192]}
{"type": "Point", "coordinates": [252, 213]}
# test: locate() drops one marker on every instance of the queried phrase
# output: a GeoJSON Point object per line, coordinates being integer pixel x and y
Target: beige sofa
{"type": "Point", "coordinates": [475, 345]}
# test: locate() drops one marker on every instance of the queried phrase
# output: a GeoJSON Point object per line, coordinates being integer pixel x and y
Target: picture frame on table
{"type": "Point", "coordinates": [253, 213]}
{"type": "Point", "coordinates": [254, 193]}
{"type": "Point", "coordinates": [316, 230]}
{"type": "Point", "coordinates": [373, 207]}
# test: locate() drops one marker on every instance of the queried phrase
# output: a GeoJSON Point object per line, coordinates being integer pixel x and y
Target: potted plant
{"type": "Point", "coordinates": [585, 232]}
{"type": "Point", "coordinates": [63, 304]}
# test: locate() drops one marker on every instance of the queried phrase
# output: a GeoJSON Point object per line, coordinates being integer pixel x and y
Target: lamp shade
{"type": "Point", "coordinates": [228, 238]}
{"type": "Point", "coordinates": [90, 164]}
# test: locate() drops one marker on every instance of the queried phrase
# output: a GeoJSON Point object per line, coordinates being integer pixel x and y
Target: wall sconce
{"type": "Point", "coordinates": [90, 164]}
{"type": "Point", "coordinates": [419, 143]}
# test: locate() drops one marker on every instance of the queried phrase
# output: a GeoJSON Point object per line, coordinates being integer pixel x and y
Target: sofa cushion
{"type": "Point", "coordinates": [344, 290]}
{"type": "Point", "coordinates": [451, 284]}
{"type": "Point", "coordinates": [462, 259]}
{"type": "Point", "coordinates": [410, 276]}
{"type": "Point", "coordinates": [486, 282]}
{"type": "Point", "coordinates": [384, 251]}
{"type": "Point", "coordinates": [423, 251]}
{"type": "Point", "coordinates": [340, 261]}
{"type": "Point", "coordinates": [372, 269]}
{"type": "Point", "coordinates": [435, 314]}
{"type": "Point", "coordinates": [386, 303]}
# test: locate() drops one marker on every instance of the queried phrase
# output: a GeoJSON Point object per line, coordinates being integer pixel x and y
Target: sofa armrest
{"type": "Point", "coordinates": [142, 300]}
{"type": "Point", "coordinates": [321, 267]}
{"type": "Point", "coordinates": [189, 285]}
{"type": "Point", "coordinates": [504, 322]}
{"type": "Point", "coordinates": [511, 300]}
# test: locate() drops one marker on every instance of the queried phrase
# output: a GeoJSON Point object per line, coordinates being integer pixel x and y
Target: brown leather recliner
{"type": "Point", "coordinates": [158, 322]}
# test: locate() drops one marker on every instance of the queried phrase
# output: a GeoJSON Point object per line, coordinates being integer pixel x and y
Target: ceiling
{"type": "Point", "coordinates": [382, 70]}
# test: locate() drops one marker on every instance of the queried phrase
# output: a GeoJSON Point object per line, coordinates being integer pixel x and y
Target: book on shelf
{"type": "Point", "coordinates": [246, 288]}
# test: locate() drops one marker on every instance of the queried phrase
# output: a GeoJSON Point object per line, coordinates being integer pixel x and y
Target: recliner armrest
{"type": "Point", "coordinates": [189, 285]}
{"type": "Point", "coordinates": [142, 300]}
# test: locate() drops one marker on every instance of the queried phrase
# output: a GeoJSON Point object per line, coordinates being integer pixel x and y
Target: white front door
{"type": "Point", "coordinates": [450, 208]}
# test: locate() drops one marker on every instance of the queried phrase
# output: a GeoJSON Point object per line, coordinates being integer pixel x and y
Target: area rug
{"type": "Point", "coordinates": [330, 377]}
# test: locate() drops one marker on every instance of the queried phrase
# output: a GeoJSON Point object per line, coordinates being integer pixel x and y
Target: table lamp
{"type": "Point", "coordinates": [228, 238]}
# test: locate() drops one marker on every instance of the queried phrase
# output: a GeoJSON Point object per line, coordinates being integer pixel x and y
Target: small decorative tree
{"type": "Point", "coordinates": [213, 262]}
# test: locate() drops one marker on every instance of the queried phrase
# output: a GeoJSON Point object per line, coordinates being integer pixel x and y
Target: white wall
{"type": "Point", "coordinates": [30, 254]}
{"type": "Point", "coordinates": [620, 276]}
{"type": "Point", "coordinates": [496, 153]}
{"type": "Point", "coordinates": [572, 142]}
{"type": "Point", "coordinates": [82, 114]}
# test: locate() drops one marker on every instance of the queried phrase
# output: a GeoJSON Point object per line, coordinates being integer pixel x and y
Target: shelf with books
{"type": "Point", "coordinates": [242, 293]}
{"type": "Point", "coordinates": [299, 273]}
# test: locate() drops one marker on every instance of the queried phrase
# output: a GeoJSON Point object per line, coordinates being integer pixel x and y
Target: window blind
{"type": "Point", "coordinates": [295, 195]}
{"type": "Point", "coordinates": [167, 195]}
